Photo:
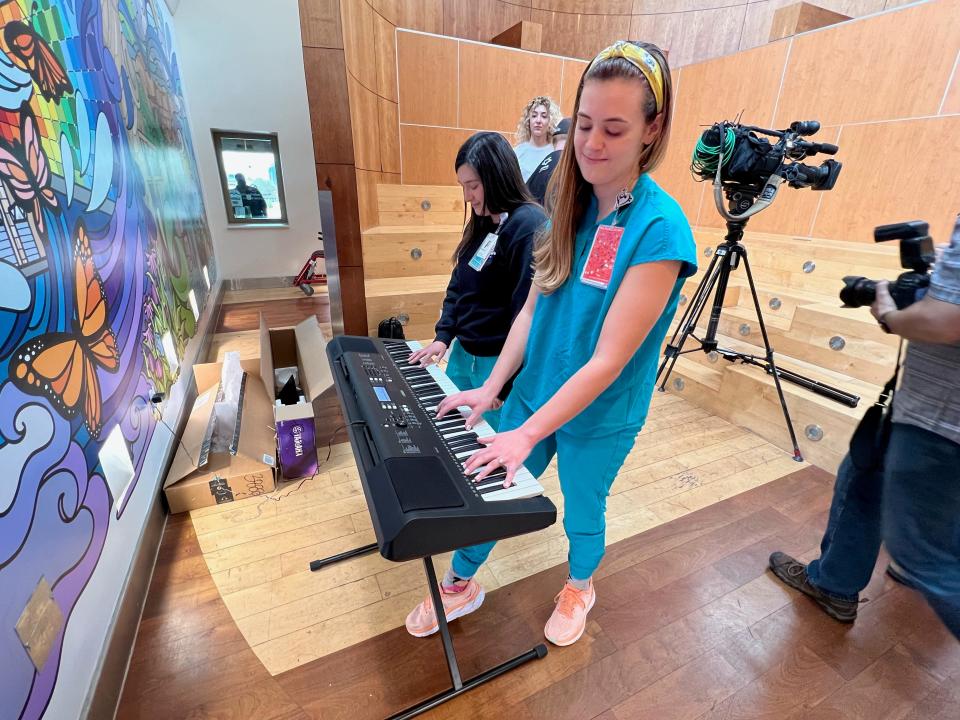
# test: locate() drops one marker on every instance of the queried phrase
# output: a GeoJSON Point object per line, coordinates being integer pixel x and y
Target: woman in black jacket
{"type": "Point", "coordinates": [493, 263]}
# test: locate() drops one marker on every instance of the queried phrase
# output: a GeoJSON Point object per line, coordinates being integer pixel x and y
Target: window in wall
{"type": "Point", "coordinates": [250, 177]}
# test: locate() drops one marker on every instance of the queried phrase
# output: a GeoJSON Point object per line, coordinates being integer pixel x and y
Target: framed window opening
{"type": "Point", "coordinates": [251, 178]}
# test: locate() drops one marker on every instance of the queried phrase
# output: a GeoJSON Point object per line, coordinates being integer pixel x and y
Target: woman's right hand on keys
{"type": "Point", "coordinates": [429, 354]}
{"type": "Point", "coordinates": [479, 401]}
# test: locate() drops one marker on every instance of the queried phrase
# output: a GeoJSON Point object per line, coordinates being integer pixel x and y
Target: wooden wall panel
{"type": "Point", "coordinates": [364, 114]}
{"type": "Point", "coordinates": [389, 136]}
{"type": "Point", "coordinates": [716, 90]}
{"type": "Point", "coordinates": [368, 197]}
{"type": "Point", "coordinates": [358, 41]}
{"type": "Point", "coordinates": [428, 79]}
{"type": "Point", "coordinates": [951, 101]}
{"type": "Point", "coordinates": [320, 23]}
{"type": "Point", "coordinates": [341, 181]}
{"type": "Point", "coordinates": [326, 77]}
{"type": "Point", "coordinates": [423, 15]}
{"type": "Point", "coordinates": [896, 76]}
{"type": "Point", "coordinates": [480, 19]}
{"type": "Point", "coordinates": [660, 29]}
{"type": "Point", "coordinates": [593, 7]}
{"type": "Point", "coordinates": [496, 83]}
{"type": "Point", "coordinates": [561, 31]}
{"type": "Point", "coordinates": [428, 154]}
{"type": "Point", "coordinates": [707, 33]}
{"type": "Point", "coordinates": [385, 41]}
{"type": "Point", "coordinates": [570, 81]}
{"type": "Point", "coordinates": [595, 32]}
{"type": "Point", "coordinates": [905, 180]}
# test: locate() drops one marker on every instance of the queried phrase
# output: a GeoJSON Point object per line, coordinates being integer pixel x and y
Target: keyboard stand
{"type": "Point", "coordinates": [459, 686]}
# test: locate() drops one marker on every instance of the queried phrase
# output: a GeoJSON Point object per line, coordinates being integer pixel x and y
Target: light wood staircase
{"type": "Point", "coordinates": [408, 257]}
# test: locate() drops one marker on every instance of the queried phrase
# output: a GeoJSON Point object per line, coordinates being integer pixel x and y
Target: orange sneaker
{"type": "Point", "coordinates": [422, 620]}
{"type": "Point", "coordinates": [569, 618]}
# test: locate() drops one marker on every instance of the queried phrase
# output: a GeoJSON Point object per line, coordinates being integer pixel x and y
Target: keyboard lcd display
{"type": "Point", "coordinates": [381, 392]}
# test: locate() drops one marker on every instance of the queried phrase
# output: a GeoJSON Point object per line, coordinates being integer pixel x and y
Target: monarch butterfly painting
{"type": "Point", "coordinates": [25, 170]}
{"type": "Point", "coordinates": [63, 366]}
{"type": "Point", "coordinates": [33, 53]}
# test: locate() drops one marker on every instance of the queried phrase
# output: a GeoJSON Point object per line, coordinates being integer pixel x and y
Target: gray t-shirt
{"type": "Point", "coordinates": [929, 393]}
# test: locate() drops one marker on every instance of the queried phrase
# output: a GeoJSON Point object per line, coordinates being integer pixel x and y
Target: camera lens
{"type": "Point", "coordinates": [858, 291]}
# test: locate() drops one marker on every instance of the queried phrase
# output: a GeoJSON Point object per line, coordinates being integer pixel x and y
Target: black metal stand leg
{"type": "Point", "coordinates": [442, 622]}
{"type": "Point", "coordinates": [773, 367]}
{"type": "Point", "coordinates": [459, 686]}
{"type": "Point", "coordinates": [365, 550]}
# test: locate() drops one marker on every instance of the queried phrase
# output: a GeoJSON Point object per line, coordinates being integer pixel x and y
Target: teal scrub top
{"type": "Point", "coordinates": [566, 323]}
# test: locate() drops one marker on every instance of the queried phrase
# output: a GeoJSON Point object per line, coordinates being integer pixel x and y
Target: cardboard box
{"type": "Point", "coordinates": [305, 348]}
{"type": "Point", "coordinates": [199, 477]}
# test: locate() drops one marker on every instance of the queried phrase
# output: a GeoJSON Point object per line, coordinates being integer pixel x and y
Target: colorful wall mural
{"type": "Point", "coordinates": [104, 256]}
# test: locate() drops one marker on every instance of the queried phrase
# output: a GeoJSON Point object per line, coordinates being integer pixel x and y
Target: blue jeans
{"type": "Point", "coordinates": [469, 372]}
{"type": "Point", "coordinates": [914, 508]}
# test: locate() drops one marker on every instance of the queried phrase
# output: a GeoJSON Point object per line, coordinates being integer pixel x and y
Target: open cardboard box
{"type": "Point", "coordinates": [305, 348]}
{"type": "Point", "coordinates": [199, 477]}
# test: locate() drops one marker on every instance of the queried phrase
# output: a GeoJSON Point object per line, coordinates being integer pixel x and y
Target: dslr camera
{"type": "Point", "coordinates": [916, 254]}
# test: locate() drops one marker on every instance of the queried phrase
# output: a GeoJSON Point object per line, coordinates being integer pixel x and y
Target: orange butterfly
{"type": "Point", "coordinates": [24, 168]}
{"type": "Point", "coordinates": [37, 58]}
{"type": "Point", "coordinates": [63, 366]}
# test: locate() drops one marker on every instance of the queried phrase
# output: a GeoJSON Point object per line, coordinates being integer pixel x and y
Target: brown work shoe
{"type": "Point", "coordinates": [794, 573]}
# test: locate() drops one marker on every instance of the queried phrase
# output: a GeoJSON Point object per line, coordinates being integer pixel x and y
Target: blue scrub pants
{"type": "Point", "coordinates": [587, 467]}
{"type": "Point", "coordinates": [469, 372]}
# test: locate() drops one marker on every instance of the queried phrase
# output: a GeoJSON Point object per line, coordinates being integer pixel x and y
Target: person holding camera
{"type": "Point", "coordinates": [908, 494]}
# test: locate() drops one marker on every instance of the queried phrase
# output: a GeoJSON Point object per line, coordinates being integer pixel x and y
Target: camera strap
{"type": "Point", "coordinates": [870, 438]}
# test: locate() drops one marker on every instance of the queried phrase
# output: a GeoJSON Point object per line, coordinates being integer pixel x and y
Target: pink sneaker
{"type": "Point", "coordinates": [569, 618]}
{"type": "Point", "coordinates": [422, 620]}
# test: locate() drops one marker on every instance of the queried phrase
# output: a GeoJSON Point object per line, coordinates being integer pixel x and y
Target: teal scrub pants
{"type": "Point", "coordinates": [587, 467]}
{"type": "Point", "coordinates": [469, 372]}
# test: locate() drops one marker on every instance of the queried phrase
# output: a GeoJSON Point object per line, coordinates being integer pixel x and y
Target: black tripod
{"type": "Point", "coordinates": [727, 258]}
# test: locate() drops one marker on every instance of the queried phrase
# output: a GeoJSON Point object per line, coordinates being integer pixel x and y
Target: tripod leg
{"type": "Point", "coordinates": [773, 366]}
{"type": "Point", "coordinates": [688, 323]}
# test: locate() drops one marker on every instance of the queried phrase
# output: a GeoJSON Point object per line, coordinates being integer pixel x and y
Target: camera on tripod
{"type": "Point", "coordinates": [748, 170]}
{"type": "Point", "coordinates": [752, 167]}
{"type": "Point", "coordinates": [916, 254]}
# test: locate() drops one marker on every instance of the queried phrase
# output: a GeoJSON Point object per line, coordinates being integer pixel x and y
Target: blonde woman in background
{"type": "Point", "coordinates": [535, 133]}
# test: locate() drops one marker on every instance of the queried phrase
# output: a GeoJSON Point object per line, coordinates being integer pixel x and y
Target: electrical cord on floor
{"type": "Point", "coordinates": [282, 495]}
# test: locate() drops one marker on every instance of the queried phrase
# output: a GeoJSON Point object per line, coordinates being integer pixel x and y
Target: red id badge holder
{"type": "Point", "coordinates": [603, 254]}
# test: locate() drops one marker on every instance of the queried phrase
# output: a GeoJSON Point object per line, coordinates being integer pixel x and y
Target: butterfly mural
{"type": "Point", "coordinates": [34, 55]}
{"type": "Point", "coordinates": [63, 366]}
{"type": "Point", "coordinates": [26, 172]}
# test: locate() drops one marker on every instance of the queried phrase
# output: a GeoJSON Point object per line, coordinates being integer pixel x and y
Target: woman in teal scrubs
{"type": "Point", "coordinates": [607, 280]}
{"type": "Point", "coordinates": [492, 264]}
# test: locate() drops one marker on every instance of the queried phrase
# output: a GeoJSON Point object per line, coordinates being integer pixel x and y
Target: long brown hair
{"type": "Point", "coordinates": [492, 158]}
{"type": "Point", "coordinates": [568, 194]}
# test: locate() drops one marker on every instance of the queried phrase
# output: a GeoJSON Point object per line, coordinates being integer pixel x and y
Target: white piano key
{"type": "Point", "coordinates": [524, 484]}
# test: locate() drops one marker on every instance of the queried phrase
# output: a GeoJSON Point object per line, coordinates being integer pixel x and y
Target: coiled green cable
{"type": "Point", "coordinates": [706, 157]}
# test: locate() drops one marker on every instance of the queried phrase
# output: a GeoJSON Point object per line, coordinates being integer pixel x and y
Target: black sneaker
{"type": "Point", "coordinates": [794, 574]}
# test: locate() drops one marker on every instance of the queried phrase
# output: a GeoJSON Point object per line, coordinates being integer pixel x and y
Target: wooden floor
{"type": "Point", "coordinates": [688, 625]}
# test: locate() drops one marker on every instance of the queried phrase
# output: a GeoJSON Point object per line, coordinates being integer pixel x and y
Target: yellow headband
{"type": "Point", "coordinates": [642, 60]}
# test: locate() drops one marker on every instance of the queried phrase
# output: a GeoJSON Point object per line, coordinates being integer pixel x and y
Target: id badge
{"type": "Point", "coordinates": [603, 253]}
{"type": "Point", "coordinates": [484, 252]}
